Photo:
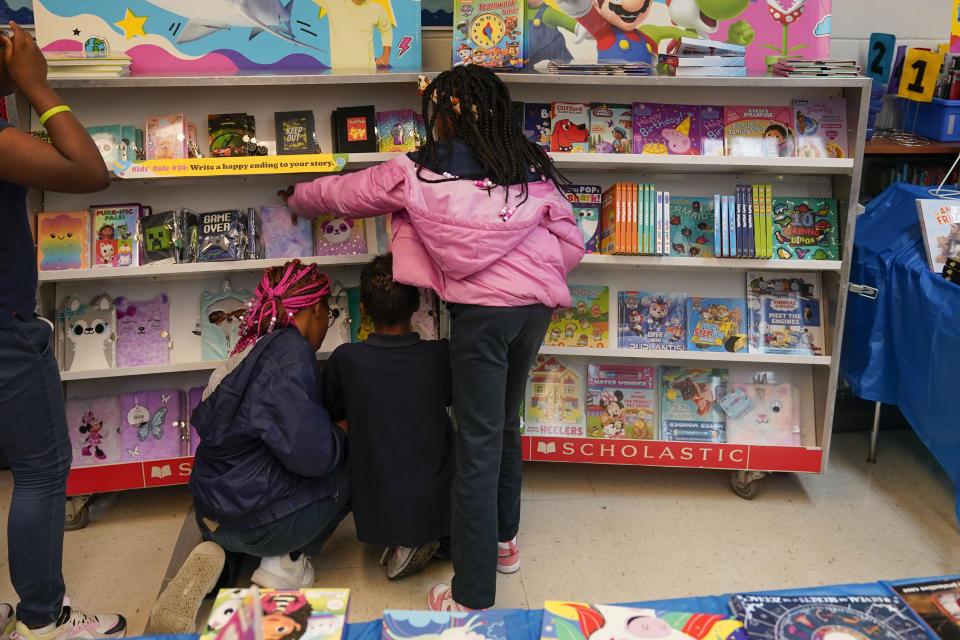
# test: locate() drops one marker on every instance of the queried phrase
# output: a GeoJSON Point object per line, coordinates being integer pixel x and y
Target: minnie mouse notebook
{"type": "Point", "coordinates": [94, 425]}
{"type": "Point", "coordinates": [143, 330]}
{"type": "Point", "coordinates": [154, 425]}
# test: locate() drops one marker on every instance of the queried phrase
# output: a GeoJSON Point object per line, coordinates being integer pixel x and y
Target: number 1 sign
{"type": "Point", "coordinates": [920, 71]}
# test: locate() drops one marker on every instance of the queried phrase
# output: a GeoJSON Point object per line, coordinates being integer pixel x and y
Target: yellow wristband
{"type": "Point", "coordinates": [52, 111]}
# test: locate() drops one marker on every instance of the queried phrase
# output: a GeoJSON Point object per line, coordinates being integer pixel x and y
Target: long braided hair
{"type": "Point", "coordinates": [282, 292]}
{"type": "Point", "coordinates": [473, 104]}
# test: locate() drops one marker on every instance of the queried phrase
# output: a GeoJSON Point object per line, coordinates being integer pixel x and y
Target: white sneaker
{"type": "Point", "coordinates": [280, 572]}
{"type": "Point", "coordinates": [176, 609]}
{"type": "Point", "coordinates": [74, 625]}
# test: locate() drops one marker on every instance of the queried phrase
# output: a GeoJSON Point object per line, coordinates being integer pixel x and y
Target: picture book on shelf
{"type": "Point", "coordinates": [262, 614]}
{"type": "Point", "coordinates": [338, 236]}
{"type": "Point", "coordinates": [621, 402]}
{"type": "Point", "coordinates": [805, 229]}
{"type": "Point", "coordinates": [536, 123]}
{"type": "Point", "coordinates": [690, 410]}
{"type": "Point", "coordinates": [585, 200]}
{"type": "Point", "coordinates": [711, 130]}
{"type": "Point", "coordinates": [717, 324]}
{"type": "Point", "coordinates": [570, 127]}
{"type": "Point", "coordinates": [940, 225]}
{"type": "Point", "coordinates": [492, 34]}
{"type": "Point", "coordinates": [114, 231]}
{"type": "Point", "coordinates": [784, 313]}
{"type": "Point", "coordinates": [758, 131]}
{"type": "Point", "coordinates": [762, 412]}
{"type": "Point", "coordinates": [821, 127]}
{"type": "Point", "coordinates": [666, 129]}
{"type": "Point", "coordinates": [63, 240]}
{"type": "Point", "coordinates": [432, 625]}
{"type": "Point", "coordinates": [582, 621]}
{"type": "Point", "coordinates": [936, 602]}
{"type": "Point", "coordinates": [553, 403]}
{"type": "Point", "coordinates": [398, 131]}
{"type": "Point", "coordinates": [611, 128]}
{"type": "Point", "coordinates": [655, 321]}
{"type": "Point", "coordinates": [768, 617]}
{"type": "Point", "coordinates": [691, 226]}
{"type": "Point", "coordinates": [586, 323]}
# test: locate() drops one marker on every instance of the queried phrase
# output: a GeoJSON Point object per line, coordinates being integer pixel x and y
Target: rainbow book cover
{"type": "Point", "coordinates": [691, 226]}
{"type": "Point", "coordinates": [805, 229]}
{"type": "Point", "coordinates": [758, 132]}
{"type": "Point", "coordinates": [821, 127]}
{"type": "Point", "coordinates": [621, 402]}
{"type": "Point", "coordinates": [582, 621]}
{"type": "Point", "coordinates": [690, 408]}
{"type": "Point", "coordinates": [611, 128]}
{"type": "Point", "coordinates": [585, 323]}
{"type": "Point", "coordinates": [553, 402]}
{"type": "Point", "coordinates": [227, 37]}
{"type": "Point", "coordinates": [666, 129]}
{"type": "Point", "coordinates": [431, 625]}
{"type": "Point", "coordinates": [63, 240]}
{"type": "Point", "coordinates": [769, 617]}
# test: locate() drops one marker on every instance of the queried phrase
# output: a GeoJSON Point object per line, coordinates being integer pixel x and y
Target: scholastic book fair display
{"type": "Point", "coordinates": [651, 221]}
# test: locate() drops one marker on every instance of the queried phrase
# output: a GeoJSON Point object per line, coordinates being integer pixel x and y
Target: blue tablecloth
{"type": "Point", "coordinates": [904, 347]}
{"type": "Point", "coordinates": [523, 624]}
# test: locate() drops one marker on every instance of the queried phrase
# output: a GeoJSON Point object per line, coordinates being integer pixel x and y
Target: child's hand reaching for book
{"type": "Point", "coordinates": [285, 194]}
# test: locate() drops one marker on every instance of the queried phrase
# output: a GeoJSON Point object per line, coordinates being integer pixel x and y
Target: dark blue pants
{"type": "Point", "coordinates": [34, 438]}
{"type": "Point", "coordinates": [491, 352]}
{"type": "Point", "coordinates": [304, 531]}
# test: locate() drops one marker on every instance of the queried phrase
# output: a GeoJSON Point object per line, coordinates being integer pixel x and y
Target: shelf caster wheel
{"type": "Point", "coordinates": [78, 513]}
{"type": "Point", "coordinates": [744, 483]}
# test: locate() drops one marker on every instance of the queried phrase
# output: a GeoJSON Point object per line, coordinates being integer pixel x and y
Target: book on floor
{"type": "Point", "coordinates": [815, 617]}
{"type": "Point", "coordinates": [806, 229]}
{"type": "Point", "coordinates": [434, 625]}
{"type": "Point", "coordinates": [689, 404]}
{"type": "Point", "coordinates": [935, 601]}
{"type": "Point", "coordinates": [266, 614]}
{"type": "Point", "coordinates": [784, 313]}
{"type": "Point", "coordinates": [940, 226]}
{"type": "Point", "coordinates": [581, 621]}
{"type": "Point", "coordinates": [621, 402]}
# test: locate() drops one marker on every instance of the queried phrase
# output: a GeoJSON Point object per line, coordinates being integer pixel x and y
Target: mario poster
{"type": "Point", "coordinates": [610, 31]}
{"type": "Point", "coordinates": [230, 36]}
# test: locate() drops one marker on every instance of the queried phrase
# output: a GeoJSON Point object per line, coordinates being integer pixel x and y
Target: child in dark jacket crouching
{"type": "Point", "coordinates": [268, 479]}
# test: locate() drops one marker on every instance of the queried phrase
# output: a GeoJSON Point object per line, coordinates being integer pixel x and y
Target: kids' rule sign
{"type": "Point", "coordinates": [231, 166]}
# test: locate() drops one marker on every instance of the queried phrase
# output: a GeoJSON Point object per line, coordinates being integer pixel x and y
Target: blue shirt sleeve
{"type": "Point", "coordinates": [4, 124]}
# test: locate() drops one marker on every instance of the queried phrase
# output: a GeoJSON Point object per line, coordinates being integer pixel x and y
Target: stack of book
{"type": "Point", "coordinates": [69, 64]}
{"type": "Point", "coordinates": [802, 68]}
{"type": "Point", "coordinates": [609, 68]}
{"type": "Point", "coordinates": [695, 57]}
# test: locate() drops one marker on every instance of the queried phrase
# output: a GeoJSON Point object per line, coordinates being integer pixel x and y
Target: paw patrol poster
{"type": "Point", "coordinates": [607, 31]}
{"type": "Point", "coordinates": [227, 36]}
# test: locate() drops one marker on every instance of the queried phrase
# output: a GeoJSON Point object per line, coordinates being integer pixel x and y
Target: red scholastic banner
{"type": "Point", "coordinates": [672, 454]}
{"type": "Point", "coordinates": [163, 473]}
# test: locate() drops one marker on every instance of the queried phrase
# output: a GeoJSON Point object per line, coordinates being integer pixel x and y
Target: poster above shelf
{"type": "Point", "coordinates": [230, 166]}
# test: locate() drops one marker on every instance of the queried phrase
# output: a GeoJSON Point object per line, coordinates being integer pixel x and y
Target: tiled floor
{"type": "Point", "coordinates": [603, 534]}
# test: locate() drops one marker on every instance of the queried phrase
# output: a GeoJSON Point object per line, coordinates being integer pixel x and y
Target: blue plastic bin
{"type": "Point", "coordinates": [939, 120]}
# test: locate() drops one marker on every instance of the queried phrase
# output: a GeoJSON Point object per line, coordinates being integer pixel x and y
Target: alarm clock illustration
{"type": "Point", "coordinates": [487, 29]}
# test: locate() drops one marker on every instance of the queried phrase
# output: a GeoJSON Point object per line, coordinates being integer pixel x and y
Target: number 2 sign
{"type": "Point", "coordinates": [880, 56]}
{"type": "Point", "coordinates": [920, 71]}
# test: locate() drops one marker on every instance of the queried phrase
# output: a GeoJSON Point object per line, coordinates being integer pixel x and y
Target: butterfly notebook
{"type": "Point", "coordinates": [430, 625]}
{"type": "Point", "coordinates": [820, 617]}
{"type": "Point", "coordinates": [154, 425]}
{"type": "Point", "coordinates": [94, 425]}
{"type": "Point", "coordinates": [580, 621]}
{"type": "Point", "coordinates": [143, 330]}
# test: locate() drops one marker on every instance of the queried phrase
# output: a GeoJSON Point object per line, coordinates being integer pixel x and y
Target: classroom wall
{"type": "Point", "coordinates": [917, 23]}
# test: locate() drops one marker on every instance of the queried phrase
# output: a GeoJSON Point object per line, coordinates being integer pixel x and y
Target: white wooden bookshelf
{"type": "Point", "coordinates": [261, 96]}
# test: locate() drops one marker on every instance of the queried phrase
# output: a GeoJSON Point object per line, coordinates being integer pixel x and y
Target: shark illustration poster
{"type": "Point", "coordinates": [636, 30]}
{"type": "Point", "coordinates": [227, 36]}
{"type": "Point", "coordinates": [20, 11]}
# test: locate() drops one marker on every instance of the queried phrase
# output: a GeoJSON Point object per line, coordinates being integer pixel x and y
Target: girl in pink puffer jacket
{"type": "Point", "coordinates": [478, 216]}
